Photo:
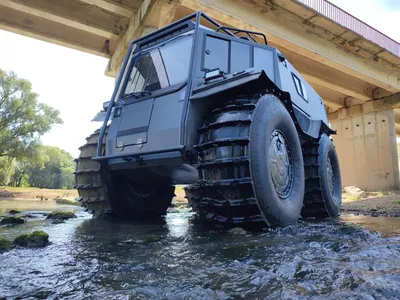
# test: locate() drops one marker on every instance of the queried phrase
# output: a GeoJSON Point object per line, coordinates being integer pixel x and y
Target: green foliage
{"type": "Point", "coordinates": [353, 198]}
{"type": "Point", "coordinates": [398, 202]}
{"type": "Point", "coordinates": [53, 170]}
{"type": "Point", "coordinates": [5, 244]}
{"type": "Point", "coordinates": [6, 169]}
{"type": "Point", "coordinates": [60, 215]}
{"type": "Point", "coordinates": [22, 118]}
{"type": "Point", "coordinates": [12, 220]}
{"type": "Point", "coordinates": [37, 238]}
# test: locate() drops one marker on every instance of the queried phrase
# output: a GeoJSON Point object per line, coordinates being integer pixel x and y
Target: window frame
{"type": "Point", "coordinates": [303, 91]}
{"type": "Point", "coordinates": [165, 91]}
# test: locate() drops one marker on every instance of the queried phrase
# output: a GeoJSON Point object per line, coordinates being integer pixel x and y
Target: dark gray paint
{"type": "Point", "coordinates": [134, 116]}
{"type": "Point", "coordinates": [173, 119]}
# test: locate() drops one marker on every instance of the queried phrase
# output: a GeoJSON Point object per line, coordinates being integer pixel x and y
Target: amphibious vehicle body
{"type": "Point", "coordinates": [219, 110]}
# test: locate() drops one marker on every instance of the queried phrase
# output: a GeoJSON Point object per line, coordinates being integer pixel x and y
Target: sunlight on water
{"type": "Point", "coordinates": [176, 258]}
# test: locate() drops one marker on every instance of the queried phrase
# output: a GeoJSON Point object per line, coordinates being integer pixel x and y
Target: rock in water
{"type": "Point", "coordinates": [13, 212]}
{"type": "Point", "coordinates": [5, 244]}
{"type": "Point", "coordinates": [12, 220]}
{"type": "Point", "coordinates": [60, 215]}
{"type": "Point", "coordinates": [36, 239]}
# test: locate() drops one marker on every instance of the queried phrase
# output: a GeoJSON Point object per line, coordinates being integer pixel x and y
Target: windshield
{"type": "Point", "coordinates": [161, 67]}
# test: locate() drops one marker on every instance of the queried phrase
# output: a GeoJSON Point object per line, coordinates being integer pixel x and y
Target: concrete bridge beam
{"type": "Point", "coordinates": [289, 32]}
{"type": "Point", "coordinates": [152, 15]}
{"type": "Point", "coordinates": [366, 144]}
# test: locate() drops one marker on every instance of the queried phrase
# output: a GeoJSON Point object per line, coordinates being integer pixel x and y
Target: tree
{"type": "Point", "coordinates": [22, 118]}
{"type": "Point", "coordinates": [53, 169]}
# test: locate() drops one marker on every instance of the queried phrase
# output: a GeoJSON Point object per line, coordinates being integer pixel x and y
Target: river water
{"type": "Point", "coordinates": [346, 258]}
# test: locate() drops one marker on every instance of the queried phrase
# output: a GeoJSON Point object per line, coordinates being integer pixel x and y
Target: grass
{"type": "Point", "coordinates": [383, 194]}
{"type": "Point", "coordinates": [36, 193]}
{"type": "Point", "coordinates": [398, 202]}
{"type": "Point", "coordinates": [353, 198]}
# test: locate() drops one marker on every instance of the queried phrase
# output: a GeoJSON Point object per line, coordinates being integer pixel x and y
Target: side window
{"type": "Point", "coordinates": [240, 57]}
{"type": "Point", "coordinates": [263, 59]}
{"type": "Point", "coordinates": [216, 54]}
{"type": "Point", "coordinates": [300, 87]}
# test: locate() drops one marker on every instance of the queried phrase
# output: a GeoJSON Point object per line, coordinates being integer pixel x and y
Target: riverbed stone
{"type": "Point", "coordinates": [5, 244]}
{"type": "Point", "coordinates": [14, 212]}
{"type": "Point", "coordinates": [355, 192]}
{"type": "Point", "coordinates": [36, 239]}
{"type": "Point", "coordinates": [60, 215]}
{"type": "Point", "coordinates": [12, 220]}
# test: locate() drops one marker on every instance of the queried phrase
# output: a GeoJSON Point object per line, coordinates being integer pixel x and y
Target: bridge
{"type": "Point", "coordinates": [354, 68]}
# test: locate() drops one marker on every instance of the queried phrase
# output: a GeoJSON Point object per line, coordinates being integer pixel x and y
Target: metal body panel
{"type": "Point", "coordinates": [166, 120]}
{"type": "Point", "coordinates": [159, 116]}
{"type": "Point", "coordinates": [311, 105]}
{"type": "Point", "coordinates": [134, 124]}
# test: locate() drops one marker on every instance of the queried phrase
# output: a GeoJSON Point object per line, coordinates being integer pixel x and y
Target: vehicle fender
{"type": "Point", "coordinates": [260, 83]}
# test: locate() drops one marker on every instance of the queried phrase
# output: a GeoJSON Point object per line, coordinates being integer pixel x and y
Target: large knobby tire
{"type": "Point", "coordinates": [323, 196]}
{"type": "Point", "coordinates": [276, 163]}
{"type": "Point", "coordinates": [225, 193]}
{"type": "Point", "coordinates": [104, 193]}
{"type": "Point", "coordinates": [141, 201]}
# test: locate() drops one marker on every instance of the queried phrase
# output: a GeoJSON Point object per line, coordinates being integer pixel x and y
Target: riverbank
{"type": "Point", "coordinates": [29, 193]}
{"type": "Point", "coordinates": [386, 206]}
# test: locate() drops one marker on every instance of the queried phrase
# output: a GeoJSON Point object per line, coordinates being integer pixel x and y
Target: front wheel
{"type": "Point", "coordinates": [276, 163]}
{"type": "Point", "coordinates": [104, 193]}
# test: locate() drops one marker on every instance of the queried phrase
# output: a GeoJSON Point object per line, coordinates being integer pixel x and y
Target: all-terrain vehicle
{"type": "Point", "coordinates": [219, 110]}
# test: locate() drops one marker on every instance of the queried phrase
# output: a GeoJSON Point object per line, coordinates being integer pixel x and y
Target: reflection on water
{"type": "Point", "coordinates": [178, 259]}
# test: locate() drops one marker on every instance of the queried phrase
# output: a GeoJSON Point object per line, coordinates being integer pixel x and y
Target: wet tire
{"type": "Point", "coordinates": [94, 194]}
{"type": "Point", "coordinates": [141, 201]}
{"type": "Point", "coordinates": [229, 152]}
{"type": "Point", "coordinates": [224, 193]}
{"type": "Point", "coordinates": [103, 193]}
{"type": "Point", "coordinates": [276, 161]}
{"type": "Point", "coordinates": [323, 196]}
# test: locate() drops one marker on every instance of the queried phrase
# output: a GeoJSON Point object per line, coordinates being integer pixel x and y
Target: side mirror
{"type": "Point", "coordinates": [105, 105]}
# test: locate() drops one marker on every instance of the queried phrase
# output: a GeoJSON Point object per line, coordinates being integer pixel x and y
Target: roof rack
{"type": "Point", "coordinates": [248, 32]}
{"type": "Point", "coordinates": [197, 16]}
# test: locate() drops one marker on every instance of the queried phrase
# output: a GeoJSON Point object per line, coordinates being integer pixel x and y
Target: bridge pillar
{"type": "Point", "coordinates": [367, 150]}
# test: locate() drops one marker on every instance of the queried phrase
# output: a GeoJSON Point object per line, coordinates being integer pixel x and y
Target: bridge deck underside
{"type": "Point", "coordinates": [344, 68]}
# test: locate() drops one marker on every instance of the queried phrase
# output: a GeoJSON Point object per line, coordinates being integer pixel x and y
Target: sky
{"type": "Point", "coordinates": [74, 82]}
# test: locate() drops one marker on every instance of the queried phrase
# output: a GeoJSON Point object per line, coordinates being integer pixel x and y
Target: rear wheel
{"type": "Point", "coordinates": [323, 196]}
{"type": "Point", "coordinates": [251, 165]}
{"type": "Point", "coordinates": [106, 193]}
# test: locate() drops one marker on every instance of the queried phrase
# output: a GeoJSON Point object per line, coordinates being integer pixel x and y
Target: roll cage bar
{"type": "Point", "coordinates": [152, 36]}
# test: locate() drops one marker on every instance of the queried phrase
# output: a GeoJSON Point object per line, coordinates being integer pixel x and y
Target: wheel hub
{"type": "Point", "coordinates": [281, 166]}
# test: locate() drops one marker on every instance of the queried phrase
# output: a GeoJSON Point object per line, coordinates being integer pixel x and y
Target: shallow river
{"type": "Point", "coordinates": [178, 259]}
